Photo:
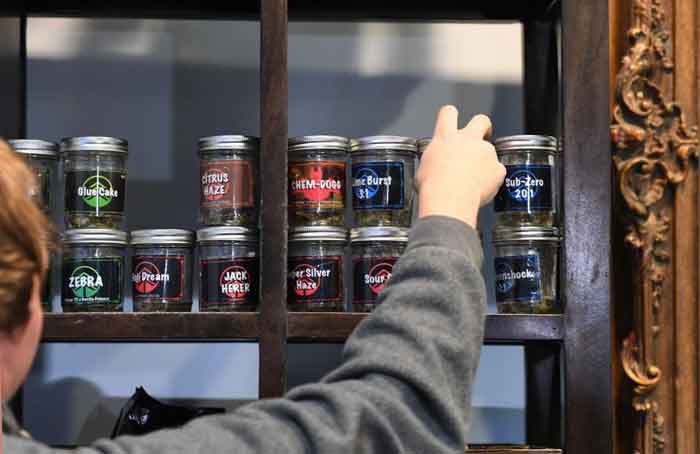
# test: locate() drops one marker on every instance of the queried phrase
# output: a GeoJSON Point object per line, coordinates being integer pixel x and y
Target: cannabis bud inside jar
{"type": "Point", "coordinates": [161, 270]}
{"type": "Point", "coordinates": [43, 158]}
{"type": "Point", "coordinates": [382, 171]}
{"type": "Point", "coordinates": [228, 172]}
{"type": "Point", "coordinates": [525, 266]}
{"type": "Point", "coordinates": [95, 181]}
{"type": "Point", "coordinates": [529, 192]}
{"type": "Point", "coordinates": [93, 270]}
{"type": "Point", "coordinates": [228, 269]}
{"type": "Point", "coordinates": [317, 180]}
{"type": "Point", "coordinates": [315, 269]}
{"type": "Point", "coordinates": [375, 251]}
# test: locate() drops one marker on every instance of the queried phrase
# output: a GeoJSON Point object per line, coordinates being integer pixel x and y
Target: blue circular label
{"type": "Point", "coordinates": [503, 285]}
{"type": "Point", "coordinates": [366, 190]}
{"type": "Point", "coordinates": [523, 185]}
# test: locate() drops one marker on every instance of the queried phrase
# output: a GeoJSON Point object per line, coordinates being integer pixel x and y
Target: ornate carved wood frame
{"type": "Point", "coordinates": [652, 152]}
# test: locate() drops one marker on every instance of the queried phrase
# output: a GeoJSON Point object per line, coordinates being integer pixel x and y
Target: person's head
{"type": "Point", "coordinates": [24, 235]}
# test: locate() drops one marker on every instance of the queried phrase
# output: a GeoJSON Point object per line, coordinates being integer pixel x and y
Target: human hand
{"type": "Point", "coordinates": [459, 171]}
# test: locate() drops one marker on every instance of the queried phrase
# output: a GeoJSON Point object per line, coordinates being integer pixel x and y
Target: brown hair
{"type": "Point", "coordinates": [24, 236]}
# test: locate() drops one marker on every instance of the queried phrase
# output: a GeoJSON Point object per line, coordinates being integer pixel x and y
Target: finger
{"type": "Point", "coordinates": [446, 123]}
{"type": "Point", "coordinates": [479, 127]}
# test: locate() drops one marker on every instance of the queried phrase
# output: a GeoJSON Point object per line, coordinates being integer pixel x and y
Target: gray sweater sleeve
{"type": "Point", "coordinates": [404, 384]}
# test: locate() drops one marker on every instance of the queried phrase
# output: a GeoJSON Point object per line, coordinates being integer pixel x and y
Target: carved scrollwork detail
{"type": "Point", "coordinates": [653, 144]}
{"type": "Point", "coordinates": [653, 149]}
{"type": "Point", "coordinates": [645, 378]}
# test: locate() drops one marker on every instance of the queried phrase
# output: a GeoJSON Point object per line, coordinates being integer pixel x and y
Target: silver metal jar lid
{"type": "Point", "coordinates": [319, 142]}
{"type": "Point", "coordinates": [526, 142]}
{"type": "Point", "coordinates": [178, 237]}
{"type": "Point", "coordinates": [95, 143]}
{"type": "Point", "coordinates": [227, 233]}
{"type": "Point", "coordinates": [379, 234]}
{"type": "Point", "coordinates": [229, 142]}
{"type": "Point", "coordinates": [35, 147]}
{"type": "Point", "coordinates": [319, 233]}
{"type": "Point", "coordinates": [95, 236]}
{"type": "Point", "coordinates": [502, 235]}
{"type": "Point", "coordinates": [423, 144]}
{"type": "Point", "coordinates": [384, 143]}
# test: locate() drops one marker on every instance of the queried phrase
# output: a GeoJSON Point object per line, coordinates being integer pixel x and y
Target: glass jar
{"type": "Point", "coordinates": [43, 157]}
{"type": "Point", "coordinates": [229, 278]}
{"type": "Point", "coordinates": [228, 170]}
{"type": "Point", "coordinates": [382, 169]}
{"type": "Point", "coordinates": [93, 270]}
{"type": "Point", "coordinates": [525, 267]}
{"type": "Point", "coordinates": [422, 145]}
{"type": "Point", "coordinates": [161, 270]}
{"type": "Point", "coordinates": [95, 182]}
{"type": "Point", "coordinates": [317, 179]}
{"type": "Point", "coordinates": [315, 269]}
{"type": "Point", "coordinates": [529, 192]}
{"type": "Point", "coordinates": [375, 251]}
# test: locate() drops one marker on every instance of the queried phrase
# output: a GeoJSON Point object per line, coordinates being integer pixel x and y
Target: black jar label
{"type": "Point", "coordinates": [158, 278]}
{"type": "Point", "coordinates": [517, 278]}
{"type": "Point", "coordinates": [229, 281]}
{"type": "Point", "coordinates": [316, 185]}
{"type": "Point", "coordinates": [378, 185]}
{"type": "Point", "coordinates": [314, 280]}
{"type": "Point", "coordinates": [95, 192]}
{"type": "Point", "coordinates": [92, 281]}
{"type": "Point", "coordinates": [227, 184]}
{"type": "Point", "coordinates": [526, 188]}
{"type": "Point", "coordinates": [370, 276]}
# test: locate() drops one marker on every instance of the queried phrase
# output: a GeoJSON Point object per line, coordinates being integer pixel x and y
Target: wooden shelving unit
{"type": "Point", "coordinates": [568, 357]}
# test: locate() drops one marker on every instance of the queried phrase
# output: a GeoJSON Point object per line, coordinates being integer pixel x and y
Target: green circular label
{"type": "Point", "coordinates": [99, 191]}
{"type": "Point", "coordinates": [85, 282]}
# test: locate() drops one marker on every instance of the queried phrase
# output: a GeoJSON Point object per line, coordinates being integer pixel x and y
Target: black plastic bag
{"type": "Point", "coordinates": [143, 414]}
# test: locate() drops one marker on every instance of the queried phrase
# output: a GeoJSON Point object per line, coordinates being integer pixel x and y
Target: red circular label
{"type": "Point", "coordinates": [235, 282]}
{"type": "Point", "coordinates": [378, 276]}
{"type": "Point", "coordinates": [145, 279]}
{"type": "Point", "coordinates": [304, 284]}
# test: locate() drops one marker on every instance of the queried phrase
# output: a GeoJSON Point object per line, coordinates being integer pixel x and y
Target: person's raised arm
{"type": "Point", "coordinates": [405, 381]}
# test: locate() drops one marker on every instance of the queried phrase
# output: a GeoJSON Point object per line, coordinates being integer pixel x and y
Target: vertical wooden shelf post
{"type": "Point", "coordinates": [273, 133]}
{"type": "Point", "coordinates": [587, 203]}
{"type": "Point", "coordinates": [544, 407]}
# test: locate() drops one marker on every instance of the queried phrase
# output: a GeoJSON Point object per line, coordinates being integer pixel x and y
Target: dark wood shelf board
{"type": "Point", "coordinates": [150, 327]}
{"type": "Point", "coordinates": [321, 326]}
{"type": "Point", "coordinates": [439, 10]}
{"type": "Point", "coordinates": [303, 327]}
{"type": "Point", "coordinates": [517, 329]}
{"type": "Point", "coordinates": [336, 327]}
